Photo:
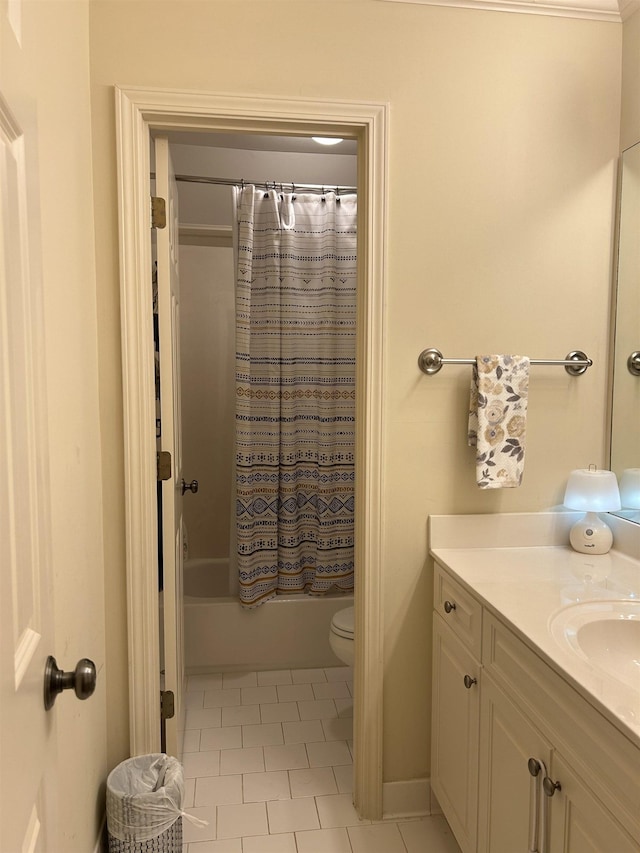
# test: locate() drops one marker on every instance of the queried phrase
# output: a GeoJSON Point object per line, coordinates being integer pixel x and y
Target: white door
{"type": "Point", "coordinates": [172, 651]}
{"type": "Point", "coordinates": [27, 731]}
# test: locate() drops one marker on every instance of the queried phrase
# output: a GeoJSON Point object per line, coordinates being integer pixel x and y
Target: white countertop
{"type": "Point", "coordinates": [525, 587]}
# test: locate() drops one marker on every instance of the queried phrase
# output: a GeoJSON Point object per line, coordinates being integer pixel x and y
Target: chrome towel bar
{"type": "Point", "coordinates": [431, 360]}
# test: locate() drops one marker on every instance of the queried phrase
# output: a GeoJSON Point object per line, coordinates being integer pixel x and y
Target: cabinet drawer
{"type": "Point", "coordinates": [459, 609]}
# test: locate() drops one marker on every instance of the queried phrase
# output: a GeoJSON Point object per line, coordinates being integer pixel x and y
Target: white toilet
{"type": "Point", "coordinates": [341, 635]}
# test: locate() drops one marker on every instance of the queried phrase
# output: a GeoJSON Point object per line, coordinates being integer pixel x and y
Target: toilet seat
{"type": "Point", "coordinates": [342, 623]}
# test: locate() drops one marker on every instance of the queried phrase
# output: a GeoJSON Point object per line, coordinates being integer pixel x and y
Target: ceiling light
{"type": "Point", "coordinates": [326, 140]}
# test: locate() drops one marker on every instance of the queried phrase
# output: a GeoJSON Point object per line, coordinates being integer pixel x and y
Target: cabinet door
{"type": "Point", "coordinates": [579, 822]}
{"type": "Point", "coordinates": [454, 736]}
{"type": "Point", "coordinates": [507, 741]}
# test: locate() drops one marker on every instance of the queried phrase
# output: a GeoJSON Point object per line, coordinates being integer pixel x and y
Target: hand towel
{"type": "Point", "coordinates": [498, 419]}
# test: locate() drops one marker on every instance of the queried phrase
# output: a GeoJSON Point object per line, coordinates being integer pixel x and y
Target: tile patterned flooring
{"type": "Point", "coordinates": [268, 763]}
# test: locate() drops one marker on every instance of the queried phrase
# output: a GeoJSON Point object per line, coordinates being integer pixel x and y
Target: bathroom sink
{"type": "Point", "coordinates": [604, 633]}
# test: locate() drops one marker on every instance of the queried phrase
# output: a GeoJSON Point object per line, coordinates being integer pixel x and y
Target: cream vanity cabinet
{"type": "Point", "coordinates": [457, 638]}
{"type": "Point", "coordinates": [500, 715]}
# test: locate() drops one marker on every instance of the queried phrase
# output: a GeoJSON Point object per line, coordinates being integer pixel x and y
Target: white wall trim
{"type": "Point", "coordinates": [408, 798]}
{"type": "Point", "coordinates": [99, 846]}
{"type": "Point", "coordinates": [140, 111]}
{"type": "Point", "coordinates": [139, 441]}
{"type": "Point", "coordinates": [592, 10]}
{"type": "Point", "coordinates": [206, 235]}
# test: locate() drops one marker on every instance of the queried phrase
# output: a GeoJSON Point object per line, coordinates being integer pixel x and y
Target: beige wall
{"type": "Point", "coordinates": [630, 124]}
{"type": "Point", "coordinates": [208, 204]}
{"type": "Point", "coordinates": [207, 347]}
{"type": "Point", "coordinates": [503, 138]}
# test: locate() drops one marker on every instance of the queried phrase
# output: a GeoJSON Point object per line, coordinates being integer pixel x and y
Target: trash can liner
{"type": "Point", "coordinates": [144, 797]}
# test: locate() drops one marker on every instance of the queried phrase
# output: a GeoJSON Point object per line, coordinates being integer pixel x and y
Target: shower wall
{"type": "Point", "coordinates": [207, 351]}
{"type": "Point", "coordinates": [207, 327]}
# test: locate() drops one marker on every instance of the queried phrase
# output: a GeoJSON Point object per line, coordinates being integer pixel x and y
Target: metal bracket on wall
{"type": "Point", "coordinates": [158, 212]}
{"type": "Point", "coordinates": [167, 704]}
{"type": "Point", "coordinates": [164, 465]}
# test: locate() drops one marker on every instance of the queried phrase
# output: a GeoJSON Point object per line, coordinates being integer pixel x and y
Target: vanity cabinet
{"type": "Point", "coordinates": [511, 717]}
{"type": "Point", "coordinates": [455, 722]}
{"type": "Point", "coordinates": [457, 641]}
{"type": "Point", "coordinates": [579, 823]}
{"type": "Point", "coordinates": [507, 791]}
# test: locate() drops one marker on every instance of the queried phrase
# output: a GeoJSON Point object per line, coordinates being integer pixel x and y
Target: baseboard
{"type": "Point", "coordinates": [101, 843]}
{"type": "Point", "coordinates": [410, 798]}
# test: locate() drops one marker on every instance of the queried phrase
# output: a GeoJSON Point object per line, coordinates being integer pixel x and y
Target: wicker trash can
{"type": "Point", "coordinates": [144, 805]}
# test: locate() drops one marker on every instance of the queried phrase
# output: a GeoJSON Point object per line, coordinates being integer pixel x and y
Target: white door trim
{"type": "Point", "coordinates": [139, 111]}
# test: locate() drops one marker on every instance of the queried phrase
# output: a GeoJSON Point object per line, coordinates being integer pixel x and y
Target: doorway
{"type": "Point", "coordinates": [206, 165]}
{"type": "Point", "coordinates": [140, 112]}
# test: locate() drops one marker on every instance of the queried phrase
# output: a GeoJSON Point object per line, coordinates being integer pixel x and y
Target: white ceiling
{"type": "Point", "coordinates": [262, 142]}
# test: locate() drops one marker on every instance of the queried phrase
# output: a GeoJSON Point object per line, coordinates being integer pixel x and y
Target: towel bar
{"type": "Point", "coordinates": [431, 360]}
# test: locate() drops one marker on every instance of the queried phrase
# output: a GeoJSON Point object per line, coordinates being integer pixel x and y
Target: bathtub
{"type": "Point", "coordinates": [206, 577]}
{"type": "Point", "coordinates": [287, 632]}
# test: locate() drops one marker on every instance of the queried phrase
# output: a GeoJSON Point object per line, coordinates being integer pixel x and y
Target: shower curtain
{"type": "Point", "coordinates": [295, 391]}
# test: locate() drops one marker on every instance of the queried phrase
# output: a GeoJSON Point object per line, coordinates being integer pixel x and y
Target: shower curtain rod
{"type": "Point", "coordinates": [274, 185]}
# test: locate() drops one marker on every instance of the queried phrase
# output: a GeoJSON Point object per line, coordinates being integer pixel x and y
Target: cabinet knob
{"type": "Point", "coordinates": [534, 766]}
{"type": "Point", "coordinates": [449, 606]}
{"type": "Point", "coordinates": [469, 681]}
{"type": "Point", "coordinates": [550, 787]}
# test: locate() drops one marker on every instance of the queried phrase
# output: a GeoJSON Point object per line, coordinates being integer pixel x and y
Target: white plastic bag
{"type": "Point", "coordinates": [144, 797]}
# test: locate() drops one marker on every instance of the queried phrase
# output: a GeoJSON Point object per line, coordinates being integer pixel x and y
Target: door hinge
{"type": "Point", "coordinates": [158, 212]}
{"type": "Point", "coordinates": [167, 704]}
{"type": "Point", "coordinates": [164, 465]}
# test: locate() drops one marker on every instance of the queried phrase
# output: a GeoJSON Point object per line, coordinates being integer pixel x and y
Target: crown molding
{"type": "Point", "coordinates": [613, 11]}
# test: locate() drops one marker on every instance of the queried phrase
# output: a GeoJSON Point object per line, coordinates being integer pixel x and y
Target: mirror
{"type": "Point", "coordinates": [625, 411]}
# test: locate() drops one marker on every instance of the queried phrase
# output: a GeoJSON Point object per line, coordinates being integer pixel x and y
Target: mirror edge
{"type": "Point", "coordinates": [613, 306]}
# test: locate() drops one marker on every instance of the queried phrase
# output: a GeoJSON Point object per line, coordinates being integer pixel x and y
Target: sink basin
{"type": "Point", "coordinates": [604, 633]}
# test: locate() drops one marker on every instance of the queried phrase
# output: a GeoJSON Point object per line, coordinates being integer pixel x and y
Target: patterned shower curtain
{"type": "Point", "coordinates": [295, 391]}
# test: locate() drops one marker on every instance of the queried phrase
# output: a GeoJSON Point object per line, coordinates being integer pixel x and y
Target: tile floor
{"type": "Point", "coordinates": [268, 763]}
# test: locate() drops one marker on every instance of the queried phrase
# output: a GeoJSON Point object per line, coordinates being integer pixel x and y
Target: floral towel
{"type": "Point", "coordinates": [498, 419]}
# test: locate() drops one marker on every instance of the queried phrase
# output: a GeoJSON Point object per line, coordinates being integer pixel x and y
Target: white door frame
{"type": "Point", "coordinates": [139, 111]}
